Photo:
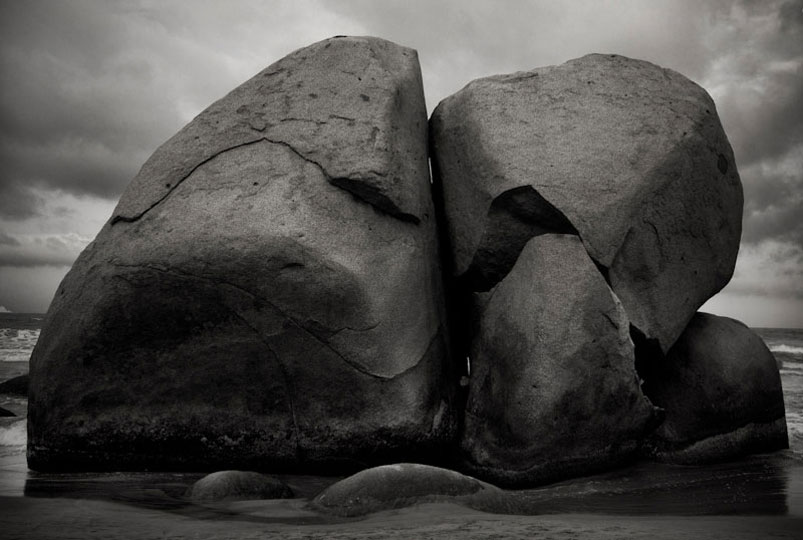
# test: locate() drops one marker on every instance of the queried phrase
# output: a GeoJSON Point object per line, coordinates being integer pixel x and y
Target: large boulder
{"type": "Point", "coordinates": [404, 484]}
{"type": "Point", "coordinates": [721, 391]}
{"type": "Point", "coordinates": [553, 389]}
{"type": "Point", "coordinates": [267, 293]}
{"type": "Point", "coordinates": [629, 156]}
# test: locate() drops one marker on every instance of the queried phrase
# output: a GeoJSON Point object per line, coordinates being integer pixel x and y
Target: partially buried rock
{"type": "Point", "coordinates": [404, 484]}
{"type": "Point", "coordinates": [6, 412]}
{"type": "Point", "coordinates": [553, 389]}
{"type": "Point", "coordinates": [238, 485]}
{"type": "Point", "coordinates": [17, 386]}
{"type": "Point", "coordinates": [721, 390]}
{"type": "Point", "coordinates": [627, 155]}
{"type": "Point", "coordinates": [267, 292]}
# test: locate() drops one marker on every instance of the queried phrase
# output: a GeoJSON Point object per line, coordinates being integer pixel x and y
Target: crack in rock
{"type": "Point", "coordinates": [355, 365]}
{"type": "Point", "coordinates": [356, 186]}
{"type": "Point", "coordinates": [288, 382]}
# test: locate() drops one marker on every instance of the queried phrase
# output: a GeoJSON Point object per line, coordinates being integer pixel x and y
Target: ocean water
{"type": "Point", "coordinates": [18, 335]}
{"type": "Point", "coordinates": [786, 345]}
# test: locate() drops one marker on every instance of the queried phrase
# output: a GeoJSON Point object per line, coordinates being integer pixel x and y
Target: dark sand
{"type": "Point", "coordinates": [760, 497]}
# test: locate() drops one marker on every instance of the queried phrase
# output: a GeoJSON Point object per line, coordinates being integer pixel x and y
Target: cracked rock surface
{"type": "Point", "coordinates": [267, 293]}
{"type": "Point", "coordinates": [553, 390]}
{"type": "Point", "coordinates": [630, 156]}
{"type": "Point", "coordinates": [721, 390]}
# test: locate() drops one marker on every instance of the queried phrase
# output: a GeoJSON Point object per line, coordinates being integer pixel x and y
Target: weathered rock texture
{"type": "Point", "coordinates": [267, 292]}
{"type": "Point", "coordinates": [626, 154]}
{"type": "Point", "coordinates": [404, 484]}
{"type": "Point", "coordinates": [553, 390]}
{"type": "Point", "coordinates": [721, 391]}
{"type": "Point", "coordinates": [582, 202]}
{"type": "Point", "coordinates": [238, 485]}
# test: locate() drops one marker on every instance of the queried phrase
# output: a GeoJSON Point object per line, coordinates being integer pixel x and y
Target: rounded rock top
{"type": "Point", "coordinates": [238, 485]}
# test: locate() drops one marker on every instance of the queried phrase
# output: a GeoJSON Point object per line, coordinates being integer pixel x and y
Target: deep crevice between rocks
{"type": "Point", "coordinates": [514, 218]}
{"type": "Point", "coordinates": [649, 356]}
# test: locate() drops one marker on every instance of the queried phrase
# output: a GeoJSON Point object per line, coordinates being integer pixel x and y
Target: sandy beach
{"type": "Point", "coordinates": [760, 497]}
{"type": "Point", "coordinates": [79, 518]}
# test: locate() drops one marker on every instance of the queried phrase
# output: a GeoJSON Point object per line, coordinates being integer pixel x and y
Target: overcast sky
{"type": "Point", "coordinates": [89, 89]}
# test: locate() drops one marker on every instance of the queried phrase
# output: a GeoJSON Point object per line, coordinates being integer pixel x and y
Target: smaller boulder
{"type": "Point", "coordinates": [404, 484]}
{"type": "Point", "coordinates": [17, 386]}
{"type": "Point", "coordinates": [721, 390]}
{"type": "Point", "coordinates": [6, 412]}
{"type": "Point", "coordinates": [238, 485]}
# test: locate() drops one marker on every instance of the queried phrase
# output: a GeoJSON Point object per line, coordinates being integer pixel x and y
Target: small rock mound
{"type": "Point", "coordinates": [400, 485]}
{"type": "Point", "coordinates": [238, 485]}
{"type": "Point", "coordinates": [17, 386]}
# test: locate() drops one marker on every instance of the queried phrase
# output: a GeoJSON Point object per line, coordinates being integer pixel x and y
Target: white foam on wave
{"type": "Point", "coordinates": [15, 434]}
{"type": "Point", "coordinates": [16, 345]}
{"type": "Point", "coordinates": [787, 349]}
{"type": "Point", "coordinates": [15, 355]}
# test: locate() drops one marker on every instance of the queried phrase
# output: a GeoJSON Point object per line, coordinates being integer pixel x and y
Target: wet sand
{"type": "Point", "coordinates": [759, 497]}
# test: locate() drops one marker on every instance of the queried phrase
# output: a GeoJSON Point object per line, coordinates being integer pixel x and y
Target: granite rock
{"type": "Point", "coordinates": [238, 485]}
{"type": "Point", "coordinates": [553, 391]}
{"type": "Point", "coordinates": [721, 391]}
{"type": "Point", "coordinates": [629, 156]}
{"type": "Point", "coordinates": [267, 293]}
{"type": "Point", "coordinates": [400, 485]}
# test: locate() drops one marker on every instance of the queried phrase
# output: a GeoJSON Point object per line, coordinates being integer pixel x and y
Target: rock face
{"type": "Point", "coordinates": [721, 391]}
{"type": "Point", "coordinates": [582, 203]}
{"type": "Point", "coordinates": [267, 293]}
{"type": "Point", "coordinates": [238, 485]}
{"type": "Point", "coordinates": [629, 156]}
{"type": "Point", "coordinates": [400, 485]}
{"type": "Point", "coordinates": [553, 389]}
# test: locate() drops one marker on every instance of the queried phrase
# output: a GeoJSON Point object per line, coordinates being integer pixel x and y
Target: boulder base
{"type": "Point", "coordinates": [721, 392]}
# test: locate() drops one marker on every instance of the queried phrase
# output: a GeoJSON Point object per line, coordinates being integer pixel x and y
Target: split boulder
{"type": "Point", "coordinates": [628, 155]}
{"type": "Point", "coordinates": [267, 293]}
{"type": "Point", "coordinates": [553, 390]}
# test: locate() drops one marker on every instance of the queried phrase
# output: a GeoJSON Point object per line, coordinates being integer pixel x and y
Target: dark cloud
{"type": "Point", "coordinates": [87, 96]}
{"type": "Point", "coordinates": [40, 250]}
{"type": "Point", "coordinates": [17, 201]}
{"type": "Point", "coordinates": [8, 240]}
{"type": "Point", "coordinates": [774, 203]}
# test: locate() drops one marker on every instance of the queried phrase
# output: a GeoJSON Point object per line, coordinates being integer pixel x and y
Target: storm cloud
{"type": "Point", "coordinates": [90, 89]}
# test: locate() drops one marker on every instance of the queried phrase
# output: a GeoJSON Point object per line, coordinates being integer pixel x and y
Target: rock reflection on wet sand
{"type": "Point", "coordinates": [749, 498]}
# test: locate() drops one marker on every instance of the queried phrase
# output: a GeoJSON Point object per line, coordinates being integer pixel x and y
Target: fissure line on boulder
{"type": "Point", "coordinates": [356, 186]}
{"type": "Point", "coordinates": [357, 366]}
{"type": "Point", "coordinates": [288, 382]}
{"type": "Point", "coordinates": [173, 185]}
